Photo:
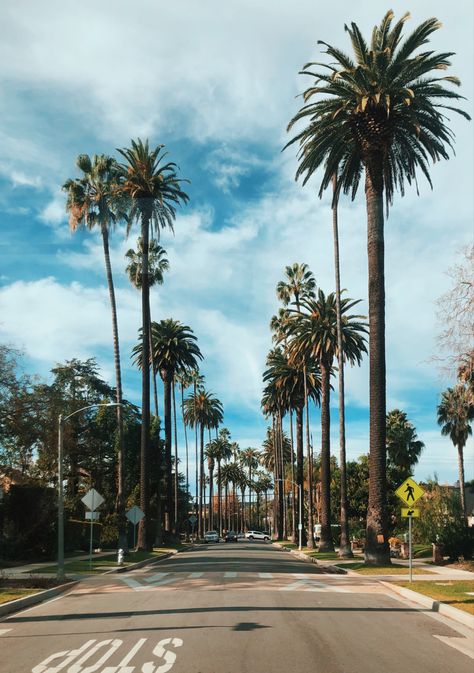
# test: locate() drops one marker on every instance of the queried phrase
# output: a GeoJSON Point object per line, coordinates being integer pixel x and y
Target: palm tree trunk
{"type": "Point", "coordinates": [120, 500]}
{"type": "Point", "coordinates": [175, 518]}
{"type": "Point", "coordinates": [293, 487]}
{"type": "Point", "coordinates": [196, 462]}
{"type": "Point", "coordinates": [376, 548]}
{"type": "Point", "coordinates": [211, 495]}
{"type": "Point", "coordinates": [219, 493]}
{"type": "Point", "coordinates": [166, 377]}
{"type": "Point", "coordinates": [310, 542]}
{"type": "Point", "coordinates": [201, 482]}
{"type": "Point", "coordinates": [144, 542]}
{"type": "Point", "coordinates": [325, 543]}
{"type": "Point", "coordinates": [345, 550]}
{"type": "Point", "coordinates": [299, 466]}
{"type": "Point", "coordinates": [462, 488]}
{"type": "Point", "coordinates": [185, 441]}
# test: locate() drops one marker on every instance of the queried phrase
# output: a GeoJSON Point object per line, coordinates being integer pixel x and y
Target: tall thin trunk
{"type": "Point", "coordinates": [211, 494]}
{"type": "Point", "coordinates": [187, 454]}
{"type": "Point", "coordinates": [325, 543]}
{"type": "Point", "coordinates": [300, 467]}
{"type": "Point", "coordinates": [345, 550]}
{"type": "Point", "coordinates": [201, 481]}
{"type": "Point", "coordinates": [144, 542]}
{"type": "Point", "coordinates": [153, 373]}
{"type": "Point", "coordinates": [310, 542]}
{"type": "Point", "coordinates": [376, 548]}
{"type": "Point", "coordinates": [175, 521]}
{"type": "Point", "coordinates": [462, 488]}
{"type": "Point", "coordinates": [167, 394]}
{"type": "Point", "coordinates": [293, 487]}
{"type": "Point", "coordinates": [219, 493]}
{"type": "Point", "coordinates": [120, 501]}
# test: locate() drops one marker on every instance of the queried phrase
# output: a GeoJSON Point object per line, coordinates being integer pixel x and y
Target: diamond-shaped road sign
{"type": "Point", "coordinates": [192, 519]}
{"type": "Point", "coordinates": [134, 514]}
{"type": "Point", "coordinates": [409, 492]}
{"type": "Point", "coordinates": [92, 499]}
{"type": "Point", "coordinates": [410, 513]}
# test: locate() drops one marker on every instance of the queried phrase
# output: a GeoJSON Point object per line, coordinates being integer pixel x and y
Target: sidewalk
{"type": "Point", "coordinates": [20, 571]}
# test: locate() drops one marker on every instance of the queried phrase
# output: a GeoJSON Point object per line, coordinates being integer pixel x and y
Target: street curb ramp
{"type": "Point", "coordinates": [34, 599]}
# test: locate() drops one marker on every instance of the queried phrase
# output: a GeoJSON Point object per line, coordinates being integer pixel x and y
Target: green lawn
{"type": "Point", "coordinates": [102, 563]}
{"type": "Point", "coordinates": [8, 594]}
{"type": "Point", "coordinates": [453, 592]}
{"type": "Point", "coordinates": [393, 569]}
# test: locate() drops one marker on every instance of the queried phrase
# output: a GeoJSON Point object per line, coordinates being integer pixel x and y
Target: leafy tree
{"type": "Point", "coordinates": [403, 446]}
{"type": "Point", "coordinates": [382, 112]}
{"type": "Point", "coordinates": [154, 190]}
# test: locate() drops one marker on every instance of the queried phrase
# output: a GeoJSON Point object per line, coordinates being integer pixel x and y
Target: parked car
{"type": "Point", "coordinates": [256, 535]}
{"type": "Point", "coordinates": [211, 536]}
{"type": "Point", "coordinates": [230, 536]}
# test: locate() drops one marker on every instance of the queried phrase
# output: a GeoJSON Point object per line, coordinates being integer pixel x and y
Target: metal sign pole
{"type": "Point", "coordinates": [134, 537]}
{"type": "Point", "coordinates": [409, 546]}
{"type": "Point", "coordinates": [90, 543]}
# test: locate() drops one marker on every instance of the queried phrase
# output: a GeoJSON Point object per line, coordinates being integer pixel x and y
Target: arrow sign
{"type": "Point", "coordinates": [412, 513]}
{"type": "Point", "coordinates": [409, 492]}
{"type": "Point", "coordinates": [92, 499]}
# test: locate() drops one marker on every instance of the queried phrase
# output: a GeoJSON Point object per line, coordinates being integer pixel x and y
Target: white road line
{"type": "Point", "coordinates": [230, 574]}
{"type": "Point", "coordinates": [461, 644]}
{"type": "Point", "coordinates": [265, 576]}
{"type": "Point", "coordinates": [194, 576]}
{"type": "Point", "coordinates": [3, 631]}
{"type": "Point", "coordinates": [156, 577]}
{"type": "Point", "coordinates": [133, 584]}
{"type": "Point", "coordinates": [132, 652]}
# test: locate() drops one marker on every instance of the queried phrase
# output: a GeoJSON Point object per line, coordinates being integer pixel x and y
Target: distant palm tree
{"type": "Point", "coordinates": [403, 446]}
{"type": "Point", "coordinates": [157, 265]}
{"type": "Point", "coordinates": [249, 459]}
{"type": "Point", "coordinates": [455, 415]}
{"type": "Point", "coordinates": [221, 451]}
{"type": "Point", "coordinates": [92, 201]}
{"type": "Point", "coordinates": [154, 190]}
{"type": "Point", "coordinates": [383, 112]}
{"type": "Point", "coordinates": [313, 335]}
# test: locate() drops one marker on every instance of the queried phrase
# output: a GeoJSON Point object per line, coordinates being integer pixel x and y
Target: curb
{"type": "Point", "coordinates": [141, 564]}
{"type": "Point", "coordinates": [432, 605]}
{"type": "Point", "coordinates": [331, 569]}
{"type": "Point", "coordinates": [34, 599]}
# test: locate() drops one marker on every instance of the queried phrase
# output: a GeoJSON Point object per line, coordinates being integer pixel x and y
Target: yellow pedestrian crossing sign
{"type": "Point", "coordinates": [409, 491]}
{"type": "Point", "coordinates": [410, 512]}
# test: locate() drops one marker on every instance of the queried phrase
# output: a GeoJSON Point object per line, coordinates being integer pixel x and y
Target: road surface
{"type": "Point", "coordinates": [236, 608]}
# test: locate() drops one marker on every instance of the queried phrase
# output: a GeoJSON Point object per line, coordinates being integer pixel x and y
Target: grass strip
{"type": "Point", "coordinates": [451, 592]}
{"type": "Point", "coordinates": [392, 569]}
{"type": "Point", "coordinates": [102, 563]}
{"type": "Point", "coordinates": [8, 594]}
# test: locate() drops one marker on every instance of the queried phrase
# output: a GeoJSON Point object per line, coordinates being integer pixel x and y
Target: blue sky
{"type": "Point", "coordinates": [217, 84]}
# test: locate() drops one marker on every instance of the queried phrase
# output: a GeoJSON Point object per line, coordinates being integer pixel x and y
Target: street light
{"type": "Point", "coordinates": [300, 518]}
{"type": "Point", "coordinates": [61, 420]}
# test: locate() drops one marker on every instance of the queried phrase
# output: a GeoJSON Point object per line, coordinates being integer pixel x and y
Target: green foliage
{"type": "Point", "coordinates": [441, 521]}
{"type": "Point", "coordinates": [29, 522]}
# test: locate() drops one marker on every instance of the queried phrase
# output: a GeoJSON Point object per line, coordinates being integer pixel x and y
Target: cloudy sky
{"type": "Point", "coordinates": [217, 83]}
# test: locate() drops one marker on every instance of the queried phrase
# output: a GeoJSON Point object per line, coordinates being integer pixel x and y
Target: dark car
{"type": "Point", "coordinates": [230, 536]}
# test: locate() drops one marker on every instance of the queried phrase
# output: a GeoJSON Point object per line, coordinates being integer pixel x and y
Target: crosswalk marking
{"type": "Point", "coordinates": [265, 576]}
{"type": "Point", "coordinates": [3, 631]}
{"type": "Point", "coordinates": [195, 576]}
{"type": "Point", "coordinates": [230, 574]}
{"type": "Point", "coordinates": [156, 577]}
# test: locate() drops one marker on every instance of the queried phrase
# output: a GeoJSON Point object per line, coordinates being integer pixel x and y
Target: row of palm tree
{"type": "Point", "coordinates": [380, 112]}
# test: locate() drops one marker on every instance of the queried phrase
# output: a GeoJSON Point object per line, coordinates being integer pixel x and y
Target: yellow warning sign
{"type": "Point", "coordinates": [412, 512]}
{"type": "Point", "coordinates": [409, 491]}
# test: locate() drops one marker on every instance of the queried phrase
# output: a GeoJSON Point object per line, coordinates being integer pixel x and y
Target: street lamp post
{"type": "Point", "coordinates": [61, 421]}
{"type": "Point", "coordinates": [300, 517]}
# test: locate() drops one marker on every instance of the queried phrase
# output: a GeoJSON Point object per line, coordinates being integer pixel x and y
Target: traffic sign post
{"type": "Point", "coordinates": [192, 520]}
{"type": "Point", "coordinates": [134, 515]}
{"type": "Point", "coordinates": [92, 500]}
{"type": "Point", "coordinates": [410, 492]}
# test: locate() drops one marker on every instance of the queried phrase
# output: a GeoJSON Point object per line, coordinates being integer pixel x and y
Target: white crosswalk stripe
{"type": "Point", "coordinates": [230, 574]}
{"type": "Point", "coordinates": [3, 631]}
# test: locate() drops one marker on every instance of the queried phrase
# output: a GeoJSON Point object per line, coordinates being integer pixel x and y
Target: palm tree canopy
{"type": "Point", "coordinates": [267, 455]}
{"type": "Point", "coordinates": [204, 409]}
{"type": "Point", "coordinates": [313, 331]}
{"type": "Point", "coordinates": [383, 109]}
{"type": "Point", "coordinates": [403, 446]}
{"type": "Point", "coordinates": [300, 284]}
{"type": "Point", "coordinates": [173, 347]}
{"type": "Point", "coordinates": [284, 388]}
{"type": "Point", "coordinates": [151, 184]}
{"type": "Point", "coordinates": [455, 414]}
{"type": "Point", "coordinates": [93, 199]}
{"type": "Point", "coordinates": [249, 458]}
{"type": "Point", "coordinates": [157, 263]}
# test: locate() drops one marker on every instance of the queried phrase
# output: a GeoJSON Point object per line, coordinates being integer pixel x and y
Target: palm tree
{"type": "Point", "coordinates": [455, 414]}
{"type": "Point", "coordinates": [221, 451]}
{"type": "Point", "coordinates": [202, 410]}
{"type": "Point", "coordinates": [382, 112]}
{"type": "Point", "coordinates": [227, 477]}
{"type": "Point", "coordinates": [173, 349]}
{"type": "Point", "coordinates": [184, 380]}
{"type": "Point", "coordinates": [313, 334]}
{"type": "Point", "coordinates": [300, 284]}
{"type": "Point", "coordinates": [157, 264]}
{"type": "Point", "coordinates": [92, 201]}
{"type": "Point", "coordinates": [249, 459]}
{"type": "Point", "coordinates": [154, 190]}
{"type": "Point", "coordinates": [263, 485]}
{"type": "Point", "coordinates": [403, 446]}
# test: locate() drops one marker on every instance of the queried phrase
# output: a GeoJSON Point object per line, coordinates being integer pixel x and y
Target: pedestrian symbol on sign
{"type": "Point", "coordinates": [409, 491]}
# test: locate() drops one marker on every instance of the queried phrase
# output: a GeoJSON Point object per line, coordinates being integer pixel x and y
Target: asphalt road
{"type": "Point", "coordinates": [245, 607]}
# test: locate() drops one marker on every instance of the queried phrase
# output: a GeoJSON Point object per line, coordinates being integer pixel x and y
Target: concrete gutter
{"type": "Point", "coordinates": [34, 599]}
{"type": "Point", "coordinates": [331, 569]}
{"type": "Point", "coordinates": [432, 605]}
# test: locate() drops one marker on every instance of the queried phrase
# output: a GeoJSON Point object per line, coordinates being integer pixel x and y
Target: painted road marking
{"type": "Point", "coordinates": [3, 631]}
{"type": "Point", "coordinates": [156, 577]}
{"type": "Point", "coordinates": [463, 645]}
{"type": "Point", "coordinates": [194, 576]}
{"type": "Point", "coordinates": [265, 576]}
{"type": "Point", "coordinates": [230, 574]}
{"type": "Point", "coordinates": [132, 652]}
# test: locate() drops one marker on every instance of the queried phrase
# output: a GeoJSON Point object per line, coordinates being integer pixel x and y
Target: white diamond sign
{"type": "Point", "coordinates": [92, 499]}
{"type": "Point", "coordinates": [134, 514]}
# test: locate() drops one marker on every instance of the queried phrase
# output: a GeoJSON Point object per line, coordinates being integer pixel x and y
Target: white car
{"type": "Point", "coordinates": [211, 536]}
{"type": "Point", "coordinates": [256, 535]}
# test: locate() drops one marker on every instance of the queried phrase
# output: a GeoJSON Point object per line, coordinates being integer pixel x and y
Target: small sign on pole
{"type": "Point", "coordinates": [410, 492]}
{"type": "Point", "coordinates": [92, 500]}
{"type": "Point", "coordinates": [134, 515]}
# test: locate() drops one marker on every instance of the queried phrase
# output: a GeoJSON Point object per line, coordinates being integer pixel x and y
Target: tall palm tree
{"type": "Point", "coordinates": [202, 410]}
{"type": "Point", "coordinates": [455, 414]}
{"type": "Point", "coordinates": [227, 474]}
{"type": "Point", "coordinates": [92, 201]}
{"type": "Point", "coordinates": [184, 379]}
{"type": "Point", "coordinates": [382, 112]}
{"type": "Point", "coordinates": [173, 349]}
{"type": "Point", "coordinates": [403, 446]}
{"type": "Point", "coordinates": [221, 451]}
{"type": "Point", "coordinates": [249, 459]}
{"type": "Point", "coordinates": [154, 190]}
{"type": "Point", "coordinates": [300, 284]}
{"type": "Point", "coordinates": [313, 334]}
{"type": "Point", "coordinates": [157, 264]}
